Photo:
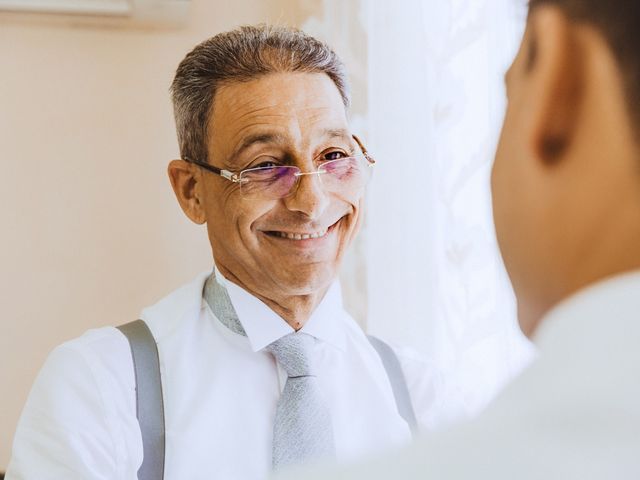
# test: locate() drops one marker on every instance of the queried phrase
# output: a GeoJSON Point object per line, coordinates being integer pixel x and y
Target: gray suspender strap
{"type": "Point", "coordinates": [149, 405]}
{"type": "Point", "coordinates": [397, 379]}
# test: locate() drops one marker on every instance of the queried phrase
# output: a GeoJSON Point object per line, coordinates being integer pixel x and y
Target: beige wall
{"type": "Point", "coordinates": [90, 231]}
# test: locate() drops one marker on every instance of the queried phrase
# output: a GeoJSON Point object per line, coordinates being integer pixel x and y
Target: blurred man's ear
{"type": "Point", "coordinates": [553, 68]}
{"type": "Point", "coordinates": [186, 185]}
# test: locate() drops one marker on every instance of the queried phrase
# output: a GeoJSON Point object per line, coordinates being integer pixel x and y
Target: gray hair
{"type": "Point", "coordinates": [241, 55]}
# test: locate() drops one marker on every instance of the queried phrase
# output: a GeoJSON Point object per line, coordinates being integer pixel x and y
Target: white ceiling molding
{"type": "Point", "coordinates": [153, 13]}
{"type": "Point", "coordinates": [89, 7]}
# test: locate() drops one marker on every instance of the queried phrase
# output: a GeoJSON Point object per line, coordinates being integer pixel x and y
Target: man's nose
{"type": "Point", "coordinates": [309, 196]}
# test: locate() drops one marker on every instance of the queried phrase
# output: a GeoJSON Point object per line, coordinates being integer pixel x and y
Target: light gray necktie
{"type": "Point", "coordinates": [302, 427]}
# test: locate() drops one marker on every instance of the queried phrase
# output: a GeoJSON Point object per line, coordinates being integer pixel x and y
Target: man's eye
{"type": "Point", "coordinates": [266, 164]}
{"type": "Point", "coordinates": [334, 155]}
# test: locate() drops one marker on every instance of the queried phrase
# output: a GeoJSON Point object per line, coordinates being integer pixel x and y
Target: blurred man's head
{"type": "Point", "coordinates": [258, 109]}
{"type": "Point", "coordinates": [566, 180]}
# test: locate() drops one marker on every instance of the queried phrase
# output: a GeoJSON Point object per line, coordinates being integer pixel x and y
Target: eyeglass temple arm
{"type": "Point", "coordinates": [367, 155]}
{"type": "Point", "coordinates": [223, 173]}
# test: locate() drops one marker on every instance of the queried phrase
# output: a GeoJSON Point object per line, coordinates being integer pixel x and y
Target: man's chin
{"type": "Point", "coordinates": [304, 280]}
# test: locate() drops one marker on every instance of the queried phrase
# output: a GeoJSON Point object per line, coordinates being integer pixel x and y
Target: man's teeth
{"type": "Point", "coordinates": [302, 236]}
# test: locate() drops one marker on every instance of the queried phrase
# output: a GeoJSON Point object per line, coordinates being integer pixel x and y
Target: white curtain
{"type": "Point", "coordinates": [432, 77]}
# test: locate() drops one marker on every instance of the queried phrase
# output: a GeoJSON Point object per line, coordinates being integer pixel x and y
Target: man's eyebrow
{"type": "Point", "coordinates": [341, 133]}
{"type": "Point", "coordinates": [257, 138]}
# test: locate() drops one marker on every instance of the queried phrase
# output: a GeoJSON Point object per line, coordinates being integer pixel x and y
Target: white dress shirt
{"type": "Point", "coordinates": [220, 392]}
{"type": "Point", "coordinates": [573, 414]}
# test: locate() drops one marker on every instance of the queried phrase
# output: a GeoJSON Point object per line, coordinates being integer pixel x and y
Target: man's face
{"type": "Point", "coordinates": [285, 118]}
{"type": "Point", "coordinates": [518, 199]}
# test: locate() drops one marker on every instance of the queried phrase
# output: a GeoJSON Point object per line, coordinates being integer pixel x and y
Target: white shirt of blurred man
{"type": "Point", "coordinates": [566, 196]}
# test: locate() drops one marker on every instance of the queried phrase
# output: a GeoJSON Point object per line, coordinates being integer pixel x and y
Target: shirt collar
{"type": "Point", "coordinates": [263, 326]}
{"type": "Point", "coordinates": [605, 307]}
{"type": "Point", "coordinates": [327, 322]}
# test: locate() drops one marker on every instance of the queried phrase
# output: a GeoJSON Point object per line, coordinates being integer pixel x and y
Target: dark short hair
{"type": "Point", "coordinates": [619, 23]}
{"type": "Point", "coordinates": [241, 55]}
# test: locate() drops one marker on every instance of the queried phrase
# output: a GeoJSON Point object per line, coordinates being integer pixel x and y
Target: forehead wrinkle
{"type": "Point", "coordinates": [258, 112]}
{"type": "Point", "coordinates": [241, 106]}
{"type": "Point", "coordinates": [253, 118]}
{"type": "Point", "coordinates": [257, 128]}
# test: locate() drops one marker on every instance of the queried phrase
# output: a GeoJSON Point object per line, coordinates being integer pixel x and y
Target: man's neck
{"type": "Point", "coordinates": [532, 314]}
{"type": "Point", "coordinates": [293, 309]}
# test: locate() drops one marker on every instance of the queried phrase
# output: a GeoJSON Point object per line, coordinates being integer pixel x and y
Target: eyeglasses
{"type": "Point", "coordinates": [347, 174]}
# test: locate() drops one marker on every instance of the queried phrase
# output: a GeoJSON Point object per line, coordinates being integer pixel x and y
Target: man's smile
{"type": "Point", "coordinates": [302, 235]}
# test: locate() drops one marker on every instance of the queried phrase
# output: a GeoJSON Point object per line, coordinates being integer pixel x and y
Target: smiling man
{"type": "Point", "coordinates": [258, 366]}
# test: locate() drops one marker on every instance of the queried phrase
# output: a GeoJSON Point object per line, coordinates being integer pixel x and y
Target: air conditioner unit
{"type": "Point", "coordinates": [114, 12]}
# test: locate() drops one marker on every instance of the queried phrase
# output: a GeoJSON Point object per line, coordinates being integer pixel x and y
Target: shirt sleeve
{"type": "Point", "coordinates": [67, 428]}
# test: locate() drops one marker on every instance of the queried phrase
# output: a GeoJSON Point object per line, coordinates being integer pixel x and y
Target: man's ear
{"type": "Point", "coordinates": [186, 186]}
{"type": "Point", "coordinates": [554, 72]}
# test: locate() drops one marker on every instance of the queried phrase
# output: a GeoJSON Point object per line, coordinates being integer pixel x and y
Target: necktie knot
{"type": "Point", "coordinates": [294, 353]}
